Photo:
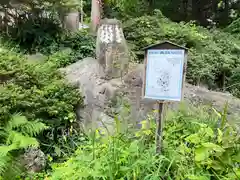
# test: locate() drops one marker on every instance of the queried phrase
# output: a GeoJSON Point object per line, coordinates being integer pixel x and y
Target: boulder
{"type": "Point", "coordinates": [87, 75]}
{"type": "Point", "coordinates": [34, 160]}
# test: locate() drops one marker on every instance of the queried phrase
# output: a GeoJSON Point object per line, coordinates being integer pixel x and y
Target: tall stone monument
{"type": "Point", "coordinates": [111, 49]}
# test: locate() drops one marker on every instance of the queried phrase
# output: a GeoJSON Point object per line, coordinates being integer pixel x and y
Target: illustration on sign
{"type": "Point", "coordinates": [164, 74]}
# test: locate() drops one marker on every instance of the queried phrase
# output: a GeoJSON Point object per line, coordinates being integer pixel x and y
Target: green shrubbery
{"type": "Point", "coordinates": [36, 88]}
{"type": "Point", "coordinates": [34, 33]}
{"type": "Point", "coordinates": [213, 55]}
{"type": "Point", "coordinates": [45, 35]}
{"type": "Point", "coordinates": [70, 48]}
{"type": "Point", "coordinates": [39, 92]}
{"type": "Point", "coordinates": [197, 145]}
{"type": "Point", "coordinates": [234, 27]}
{"type": "Point", "coordinates": [80, 42]}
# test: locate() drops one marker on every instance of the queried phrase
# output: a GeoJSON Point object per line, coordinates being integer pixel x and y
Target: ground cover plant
{"type": "Point", "coordinates": [197, 145]}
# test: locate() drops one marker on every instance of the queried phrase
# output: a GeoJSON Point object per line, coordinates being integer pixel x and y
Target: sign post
{"type": "Point", "coordinates": [164, 75]}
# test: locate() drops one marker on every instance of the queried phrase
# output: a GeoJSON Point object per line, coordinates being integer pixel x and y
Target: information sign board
{"type": "Point", "coordinates": [164, 74]}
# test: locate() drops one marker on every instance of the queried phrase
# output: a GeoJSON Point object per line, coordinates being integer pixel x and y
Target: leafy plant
{"type": "Point", "coordinates": [112, 157]}
{"type": "Point", "coordinates": [33, 32]}
{"type": "Point", "coordinates": [38, 91]}
{"type": "Point", "coordinates": [198, 144]}
{"type": "Point", "coordinates": [204, 143]}
{"type": "Point", "coordinates": [17, 134]}
{"type": "Point", "coordinates": [70, 48]}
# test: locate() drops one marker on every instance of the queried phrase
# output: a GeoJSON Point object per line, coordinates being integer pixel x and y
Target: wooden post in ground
{"type": "Point", "coordinates": [159, 128]}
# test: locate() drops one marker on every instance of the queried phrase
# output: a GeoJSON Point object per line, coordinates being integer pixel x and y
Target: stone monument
{"type": "Point", "coordinates": [111, 49]}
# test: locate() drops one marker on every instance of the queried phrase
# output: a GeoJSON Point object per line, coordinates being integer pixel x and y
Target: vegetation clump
{"type": "Point", "coordinates": [39, 92]}
{"type": "Point", "coordinates": [197, 145]}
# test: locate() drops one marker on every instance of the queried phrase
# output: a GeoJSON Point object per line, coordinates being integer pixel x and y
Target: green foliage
{"type": "Point", "coordinates": [206, 13]}
{"type": "Point", "coordinates": [32, 33]}
{"type": "Point", "coordinates": [204, 143]}
{"type": "Point", "coordinates": [234, 27]}
{"type": "Point", "coordinates": [71, 48]}
{"type": "Point", "coordinates": [62, 58]}
{"type": "Point", "coordinates": [81, 43]}
{"type": "Point", "coordinates": [124, 9]}
{"type": "Point", "coordinates": [38, 91]}
{"type": "Point", "coordinates": [37, 26]}
{"type": "Point", "coordinates": [195, 147]}
{"type": "Point", "coordinates": [45, 35]}
{"type": "Point", "coordinates": [17, 134]}
{"type": "Point", "coordinates": [113, 157]}
{"type": "Point", "coordinates": [213, 55]}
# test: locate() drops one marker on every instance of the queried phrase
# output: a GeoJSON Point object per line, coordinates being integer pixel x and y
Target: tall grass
{"type": "Point", "coordinates": [195, 147]}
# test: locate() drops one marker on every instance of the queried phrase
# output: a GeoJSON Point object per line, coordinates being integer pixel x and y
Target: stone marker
{"type": "Point", "coordinates": [111, 49]}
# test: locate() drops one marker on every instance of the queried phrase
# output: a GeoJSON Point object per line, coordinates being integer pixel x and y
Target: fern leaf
{"type": "Point", "coordinates": [16, 121]}
{"type": "Point", "coordinates": [10, 167]}
{"type": "Point", "coordinates": [4, 163]}
{"type": "Point", "coordinates": [3, 133]}
{"type": "Point", "coordinates": [4, 150]}
{"type": "Point", "coordinates": [17, 134]}
{"type": "Point", "coordinates": [33, 128]}
{"type": "Point", "coordinates": [21, 141]}
{"type": "Point", "coordinates": [14, 168]}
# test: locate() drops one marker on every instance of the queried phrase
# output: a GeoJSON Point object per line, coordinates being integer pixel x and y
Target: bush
{"type": "Point", "coordinates": [32, 33]}
{"type": "Point", "coordinates": [213, 55]}
{"type": "Point", "coordinates": [38, 91]}
{"type": "Point", "coordinates": [234, 27]}
{"type": "Point", "coordinates": [198, 144]}
{"type": "Point", "coordinates": [70, 48]}
{"type": "Point", "coordinates": [45, 35]}
{"type": "Point", "coordinates": [79, 41]}
{"type": "Point", "coordinates": [202, 145]}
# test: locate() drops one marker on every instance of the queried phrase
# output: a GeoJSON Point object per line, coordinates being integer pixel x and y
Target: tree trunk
{"type": "Point", "coordinates": [226, 12]}
{"type": "Point", "coordinates": [95, 15]}
{"type": "Point", "coordinates": [214, 9]}
{"type": "Point", "coordinates": [185, 9]}
{"type": "Point", "coordinates": [199, 11]}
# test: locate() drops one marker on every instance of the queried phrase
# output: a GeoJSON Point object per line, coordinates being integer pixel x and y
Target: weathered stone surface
{"type": "Point", "coordinates": [34, 160]}
{"type": "Point", "coordinates": [111, 48]}
{"type": "Point", "coordinates": [71, 21]}
{"type": "Point", "coordinates": [87, 74]}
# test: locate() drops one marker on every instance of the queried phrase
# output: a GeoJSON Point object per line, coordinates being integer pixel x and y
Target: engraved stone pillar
{"type": "Point", "coordinates": [111, 49]}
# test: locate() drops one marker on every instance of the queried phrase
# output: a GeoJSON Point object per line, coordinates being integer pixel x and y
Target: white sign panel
{"type": "Point", "coordinates": [164, 74]}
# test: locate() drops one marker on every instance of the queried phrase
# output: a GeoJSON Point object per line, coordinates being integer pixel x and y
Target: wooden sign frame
{"type": "Point", "coordinates": [166, 45]}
